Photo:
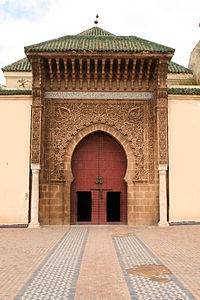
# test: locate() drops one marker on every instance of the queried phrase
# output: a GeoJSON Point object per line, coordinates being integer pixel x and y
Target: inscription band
{"type": "Point", "coordinates": [99, 95]}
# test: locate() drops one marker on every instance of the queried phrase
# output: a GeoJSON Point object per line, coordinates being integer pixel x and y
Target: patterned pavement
{"type": "Point", "coordinates": [145, 275]}
{"type": "Point", "coordinates": [178, 247]}
{"type": "Point", "coordinates": [56, 277]}
{"type": "Point", "coordinates": [106, 262]}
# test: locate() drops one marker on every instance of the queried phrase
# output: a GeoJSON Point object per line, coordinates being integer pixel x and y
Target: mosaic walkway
{"type": "Point", "coordinates": [57, 276]}
{"type": "Point", "coordinates": [146, 277]}
{"type": "Point", "coordinates": [94, 263]}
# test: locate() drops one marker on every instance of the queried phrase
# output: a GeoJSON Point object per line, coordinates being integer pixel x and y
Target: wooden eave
{"type": "Point", "coordinates": [88, 54]}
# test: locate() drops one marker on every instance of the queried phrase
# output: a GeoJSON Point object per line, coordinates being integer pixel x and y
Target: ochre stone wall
{"type": "Point", "coordinates": [143, 205]}
{"type": "Point", "coordinates": [52, 208]}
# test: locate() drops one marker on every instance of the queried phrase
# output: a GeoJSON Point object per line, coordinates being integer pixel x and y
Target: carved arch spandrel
{"type": "Point", "coordinates": [66, 119]}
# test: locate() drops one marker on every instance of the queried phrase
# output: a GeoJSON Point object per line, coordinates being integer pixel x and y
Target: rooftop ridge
{"type": "Point", "coordinates": [95, 31]}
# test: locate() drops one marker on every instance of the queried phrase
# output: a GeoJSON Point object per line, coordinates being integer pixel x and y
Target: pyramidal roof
{"type": "Point", "coordinates": [98, 40]}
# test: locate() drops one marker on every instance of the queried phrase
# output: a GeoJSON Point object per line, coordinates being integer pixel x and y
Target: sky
{"type": "Point", "coordinates": [173, 23]}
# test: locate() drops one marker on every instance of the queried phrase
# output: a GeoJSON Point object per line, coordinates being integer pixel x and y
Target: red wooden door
{"type": "Point", "coordinates": [98, 166]}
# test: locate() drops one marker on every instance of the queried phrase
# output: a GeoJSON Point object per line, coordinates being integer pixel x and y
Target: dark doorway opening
{"type": "Point", "coordinates": [84, 206]}
{"type": "Point", "coordinates": [113, 207]}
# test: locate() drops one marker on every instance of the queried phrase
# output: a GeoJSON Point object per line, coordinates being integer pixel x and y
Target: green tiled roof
{"type": "Point", "coordinates": [97, 39]}
{"type": "Point", "coordinates": [22, 65]}
{"type": "Point", "coordinates": [184, 91]}
{"type": "Point", "coordinates": [15, 92]}
{"type": "Point", "coordinates": [176, 68]}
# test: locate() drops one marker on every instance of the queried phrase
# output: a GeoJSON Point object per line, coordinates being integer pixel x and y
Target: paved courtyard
{"type": "Point", "coordinates": [100, 262]}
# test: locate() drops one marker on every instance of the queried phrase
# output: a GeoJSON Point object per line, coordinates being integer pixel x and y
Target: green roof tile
{"type": "Point", "coordinates": [22, 65]}
{"type": "Point", "coordinates": [176, 68]}
{"type": "Point", "coordinates": [15, 92]}
{"type": "Point", "coordinates": [184, 91]}
{"type": "Point", "coordinates": [97, 39]}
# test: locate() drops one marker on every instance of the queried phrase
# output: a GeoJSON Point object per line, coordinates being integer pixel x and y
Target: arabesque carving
{"type": "Point", "coordinates": [151, 142]}
{"type": "Point", "coordinates": [36, 123]}
{"type": "Point", "coordinates": [162, 121]}
{"type": "Point", "coordinates": [68, 118]}
{"type": "Point", "coordinates": [35, 137]}
{"type": "Point", "coordinates": [163, 144]}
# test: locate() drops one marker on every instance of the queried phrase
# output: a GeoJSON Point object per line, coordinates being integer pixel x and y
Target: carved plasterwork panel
{"type": "Point", "coordinates": [151, 142]}
{"type": "Point", "coordinates": [35, 138]}
{"type": "Point", "coordinates": [162, 119]}
{"type": "Point", "coordinates": [65, 118]}
{"type": "Point", "coordinates": [36, 112]}
{"type": "Point", "coordinates": [163, 145]}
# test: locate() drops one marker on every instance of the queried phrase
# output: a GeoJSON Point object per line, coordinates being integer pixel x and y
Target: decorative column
{"type": "Point", "coordinates": [162, 169]}
{"type": "Point", "coordinates": [162, 137]}
{"type": "Point", "coordinates": [35, 196]}
{"type": "Point", "coordinates": [36, 125]}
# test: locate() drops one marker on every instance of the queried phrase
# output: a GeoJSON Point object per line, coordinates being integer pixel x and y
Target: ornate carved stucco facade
{"type": "Point", "coordinates": [121, 93]}
{"type": "Point", "coordinates": [93, 82]}
{"type": "Point", "coordinates": [129, 121]}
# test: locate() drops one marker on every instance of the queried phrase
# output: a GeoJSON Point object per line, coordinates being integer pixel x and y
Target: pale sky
{"type": "Point", "coordinates": [173, 23]}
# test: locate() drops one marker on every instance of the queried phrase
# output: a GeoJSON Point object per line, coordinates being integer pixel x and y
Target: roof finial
{"type": "Point", "coordinates": [96, 21]}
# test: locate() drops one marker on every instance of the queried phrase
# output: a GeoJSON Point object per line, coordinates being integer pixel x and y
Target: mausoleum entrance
{"type": "Point", "coordinates": [99, 149]}
{"type": "Point", "coordinates": [98, 192]}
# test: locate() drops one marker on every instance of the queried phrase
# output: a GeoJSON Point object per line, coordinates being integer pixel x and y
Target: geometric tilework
{"type": "Point", "coordinates": [132, 253]}
{"type": "Point", "coordinates": [57, 275]}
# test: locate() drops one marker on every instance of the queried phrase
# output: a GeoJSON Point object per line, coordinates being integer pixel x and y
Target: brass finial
{"type": "Point", "coordinates": [96, 21]}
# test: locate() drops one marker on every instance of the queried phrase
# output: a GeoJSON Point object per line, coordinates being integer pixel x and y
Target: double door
{"type": "Point", "coordinates": [98, 193]}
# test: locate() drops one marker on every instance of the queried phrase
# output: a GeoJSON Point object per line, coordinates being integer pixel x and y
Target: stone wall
{"type": "Point", "coordinates": [143, 205]}
{"type": "Point", "coordinates": [52, 209]}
